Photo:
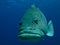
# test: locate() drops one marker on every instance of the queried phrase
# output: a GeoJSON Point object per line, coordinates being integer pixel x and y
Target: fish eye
{"type": "Point", "coordinates": [20, 24]}
{"type": "Point", "coordinates": [35, 21]}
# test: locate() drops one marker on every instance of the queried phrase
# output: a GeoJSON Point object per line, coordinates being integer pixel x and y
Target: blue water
{"type": "Point", "coordinates": [11, 12]}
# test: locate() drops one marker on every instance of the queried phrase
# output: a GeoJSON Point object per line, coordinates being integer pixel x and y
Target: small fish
{"type": "Point", "coordinates": [33, 25]}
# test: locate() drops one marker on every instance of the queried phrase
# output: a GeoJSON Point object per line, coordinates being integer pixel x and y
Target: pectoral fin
{"type": "Point", "coordinates": [50, 29]}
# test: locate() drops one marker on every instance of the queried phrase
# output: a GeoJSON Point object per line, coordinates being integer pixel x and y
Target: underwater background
{"type": "Point", "coordinates": [11, 12]}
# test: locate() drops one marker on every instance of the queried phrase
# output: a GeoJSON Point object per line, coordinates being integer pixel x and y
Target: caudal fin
{"type": "Point", "coordinates": [50, 29]}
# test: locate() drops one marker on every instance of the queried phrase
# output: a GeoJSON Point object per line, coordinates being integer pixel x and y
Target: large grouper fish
{"type": "Point", "coordinates": [33, 25]}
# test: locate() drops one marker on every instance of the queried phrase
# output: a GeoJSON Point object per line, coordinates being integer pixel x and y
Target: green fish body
{"type": "Point", "coordinates": [33, 25]}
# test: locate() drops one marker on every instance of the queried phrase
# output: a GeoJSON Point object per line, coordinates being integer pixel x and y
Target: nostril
{"type": "Point", "coordinates": [20, 30]}
{"type": "Point", "coordinates": [32, 28]}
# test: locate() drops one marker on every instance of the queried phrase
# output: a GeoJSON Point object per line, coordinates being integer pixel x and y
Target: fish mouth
{"type": "Point", "coordinates": [29, 35]}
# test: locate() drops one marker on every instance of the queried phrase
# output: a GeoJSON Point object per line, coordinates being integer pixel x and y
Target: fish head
{"type": "Point", "coordinates": [31, 25]}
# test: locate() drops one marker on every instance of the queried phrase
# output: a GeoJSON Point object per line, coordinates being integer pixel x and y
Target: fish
{"type": "Point", "coordinates": [33, 25]}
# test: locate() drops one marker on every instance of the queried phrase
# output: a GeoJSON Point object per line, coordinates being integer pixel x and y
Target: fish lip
{"type": "Point", "coordinates": [28, 33]}
{"type": "Point", "coordinates": [35, 36]}
{"type": "Point", "coordinates": [23, 36]}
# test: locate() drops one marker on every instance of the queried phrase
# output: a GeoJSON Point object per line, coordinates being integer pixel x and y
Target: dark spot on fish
{"type": "Point", "coordinates": [35, 21]}
{"type": "Point", "coordinates": [30, 28]}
